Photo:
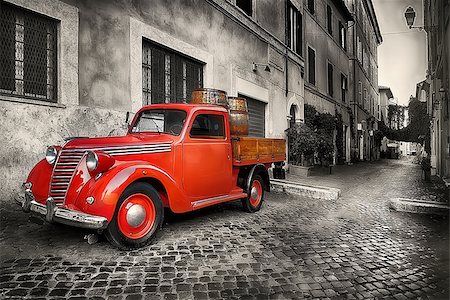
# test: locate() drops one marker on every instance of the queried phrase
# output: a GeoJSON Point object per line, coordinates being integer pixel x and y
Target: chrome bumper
{"type": "Point", "coordinates": [52, 213]}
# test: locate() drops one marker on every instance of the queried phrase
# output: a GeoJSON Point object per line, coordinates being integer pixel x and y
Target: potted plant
{"type": "Point", "coordinates": [303, 142]}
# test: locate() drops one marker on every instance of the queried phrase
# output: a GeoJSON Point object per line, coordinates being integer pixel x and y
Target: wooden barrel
{"type": "Point", "coordinates": [238, 116]}
{"type": "Point", "coordinates": [209, 96]}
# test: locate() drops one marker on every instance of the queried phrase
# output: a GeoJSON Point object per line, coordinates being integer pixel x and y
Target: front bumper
{"type": "Point", "coordinates": [52, 213]}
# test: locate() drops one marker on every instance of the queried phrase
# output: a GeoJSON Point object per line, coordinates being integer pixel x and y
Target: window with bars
{"type": "Point", "coordinates": [294, 24]}
{"type": "Point", "coordinates": [28, 54]}
{"type": "Point", "coordinates": [168, 76]}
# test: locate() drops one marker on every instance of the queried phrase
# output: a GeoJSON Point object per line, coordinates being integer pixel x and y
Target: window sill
{"type": "Point", "coordinates": [30, 101]}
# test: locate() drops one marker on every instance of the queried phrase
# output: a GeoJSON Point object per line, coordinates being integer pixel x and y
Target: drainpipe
{"type": "Point", "coordinates": [355, 100]}
{"type": "Point", "coordinates": [286, 40]}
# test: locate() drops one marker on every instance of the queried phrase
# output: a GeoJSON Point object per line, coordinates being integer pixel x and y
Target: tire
{"type": "Point", "coordinates": [137, 218]}
{"type": "Point", "coordinates": [255, 193]}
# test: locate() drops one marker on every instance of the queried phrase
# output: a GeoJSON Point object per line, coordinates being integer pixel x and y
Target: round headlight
{"type": "Point", "coordinates": [91, 161]}
{"type": "Point", "coordinates": [51, 154]}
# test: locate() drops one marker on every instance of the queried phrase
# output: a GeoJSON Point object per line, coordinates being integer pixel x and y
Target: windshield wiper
{"type": "Point", "coordinates": [156, 125]}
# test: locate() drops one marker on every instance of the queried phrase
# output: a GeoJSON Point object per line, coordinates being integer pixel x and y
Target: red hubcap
{"type": "Point", "coordinates": [136, 216]}
{"type": "Point", "coordinates": [255, 193]}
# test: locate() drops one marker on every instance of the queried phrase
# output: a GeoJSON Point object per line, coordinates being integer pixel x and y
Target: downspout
{"type": "Point", "coordinates": [286, 40]}
{"type": "Point", "coordinates": [355, 100]}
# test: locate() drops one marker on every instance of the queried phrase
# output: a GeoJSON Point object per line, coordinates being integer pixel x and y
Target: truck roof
{"type": "Point", "coordinates": [185, 106]}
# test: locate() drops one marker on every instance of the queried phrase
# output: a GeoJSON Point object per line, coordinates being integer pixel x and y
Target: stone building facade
{"type": "Point", "coordinates": [74, 68]}
{"type": "Point", "coordinates": [327, 61]}
{"type": "Point", "coordinates": [437, 26]}
{"type": "Point", "coordinates": [364, 36]}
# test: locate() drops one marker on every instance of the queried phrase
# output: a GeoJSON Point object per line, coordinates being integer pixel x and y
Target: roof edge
{"type": "Point", "coordinates": [373, 20]}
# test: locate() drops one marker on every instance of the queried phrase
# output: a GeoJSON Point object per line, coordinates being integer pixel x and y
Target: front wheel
{"type": "Point", "coordinates": [255, 196]}
{"type": "Point", "coordinates": [137, 218]}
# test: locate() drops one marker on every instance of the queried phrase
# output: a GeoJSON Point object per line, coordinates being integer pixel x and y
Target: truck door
{"type": "Point", "coordinates": [207, 156]}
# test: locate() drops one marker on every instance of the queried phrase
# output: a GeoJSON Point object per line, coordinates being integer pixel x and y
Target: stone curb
{"type": "Point", "coordinates": [418, 206]}
{"type": "Point", "coordinates": [315, 192]}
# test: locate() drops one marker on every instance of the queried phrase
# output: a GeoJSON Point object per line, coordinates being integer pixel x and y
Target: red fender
{"type": "Point", "coordinates": [108, 188]}
{"type": "Point", "coordinates": [40, 177]}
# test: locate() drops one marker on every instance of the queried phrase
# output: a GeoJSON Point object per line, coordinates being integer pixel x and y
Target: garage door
{"type": "Point", "coordinates": [256, 116]}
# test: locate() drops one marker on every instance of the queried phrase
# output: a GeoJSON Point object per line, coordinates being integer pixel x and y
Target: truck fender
{"type": "Point", "coordinates": [40, 177]}
{"type": "Point", "coordinates": [260, 170]}
{"type": "Point", "coordinates": [111, 185]}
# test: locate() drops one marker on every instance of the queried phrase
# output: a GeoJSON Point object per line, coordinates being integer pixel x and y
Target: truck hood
{"type": "Point", "coordinates": [120, 141]}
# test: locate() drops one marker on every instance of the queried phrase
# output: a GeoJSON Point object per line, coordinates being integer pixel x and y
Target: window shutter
{"type": "Point", "coordinates": [299, 33]}
{"type": "Point", "coordinates": [311, 66]}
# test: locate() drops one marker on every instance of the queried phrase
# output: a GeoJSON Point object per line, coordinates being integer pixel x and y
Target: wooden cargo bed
{"type": "Point", "coordinates": [251, 150]}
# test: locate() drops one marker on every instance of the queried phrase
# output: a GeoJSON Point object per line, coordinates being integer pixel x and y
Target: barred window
{"type": "Point", "coordinates": [168, 76]}
{"type": "Point", "coordinates": [28, 52]}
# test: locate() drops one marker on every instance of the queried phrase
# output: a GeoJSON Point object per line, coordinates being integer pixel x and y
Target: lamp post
{"type": "Point", "coordinates": [410, 16]}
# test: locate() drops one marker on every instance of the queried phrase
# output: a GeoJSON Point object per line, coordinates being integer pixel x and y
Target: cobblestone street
{"type": "Point", "coordinates": [293, 248]}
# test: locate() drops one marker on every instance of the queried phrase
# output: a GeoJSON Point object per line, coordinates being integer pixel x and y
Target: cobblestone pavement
{"type": "Point", "coordinates": [293, 248]}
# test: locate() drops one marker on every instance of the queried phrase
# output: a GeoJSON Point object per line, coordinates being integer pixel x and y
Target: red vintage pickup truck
{"type": "Point", "coordinates": [175, 156]}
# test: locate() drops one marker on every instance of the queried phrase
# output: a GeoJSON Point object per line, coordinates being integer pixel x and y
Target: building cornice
{"type": "Point", "coordinates": [373, 20]}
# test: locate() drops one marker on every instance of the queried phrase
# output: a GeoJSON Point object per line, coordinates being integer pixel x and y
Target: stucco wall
{"type": "Point", "coordinates": [104, 56]}
{"type": "Point", "coordinates": [27, 130]}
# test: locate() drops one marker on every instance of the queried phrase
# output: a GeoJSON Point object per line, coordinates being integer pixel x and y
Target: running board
{"type": "Point", "coordinates": [216, 200]}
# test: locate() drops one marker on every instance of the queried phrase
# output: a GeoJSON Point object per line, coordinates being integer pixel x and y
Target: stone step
{"type": "Point", "coordinates": [294, 188]}
{"type": "Point", "coordinates": [419, 206]}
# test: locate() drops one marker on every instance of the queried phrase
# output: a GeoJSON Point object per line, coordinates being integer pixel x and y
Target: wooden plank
{"type": "Point", "coordinates": [251, 150]}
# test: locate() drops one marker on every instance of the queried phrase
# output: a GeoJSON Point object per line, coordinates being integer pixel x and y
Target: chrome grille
{"type": "Point", "coordinates": [62, 174]}
{"type": "Point", "coordinates": [69, 159]}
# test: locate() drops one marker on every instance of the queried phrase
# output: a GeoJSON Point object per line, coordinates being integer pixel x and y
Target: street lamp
{"type": "Point", "coordinates": [410, 16]}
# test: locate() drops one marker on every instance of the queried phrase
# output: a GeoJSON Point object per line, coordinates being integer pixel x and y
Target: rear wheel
{"type": "Point", "coordinates": [138, 216]}
{"type": "Point", "coordinates": [255, 196]}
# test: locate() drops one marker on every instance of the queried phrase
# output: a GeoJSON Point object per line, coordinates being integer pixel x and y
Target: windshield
{"type": "Point", "coordinates": [169, 121]}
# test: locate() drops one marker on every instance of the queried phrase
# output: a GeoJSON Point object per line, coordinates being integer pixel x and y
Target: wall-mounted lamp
{"type": "Point", "coordinates": [410, 16]}
{"type": "Point", "coordinates": [255, 67]}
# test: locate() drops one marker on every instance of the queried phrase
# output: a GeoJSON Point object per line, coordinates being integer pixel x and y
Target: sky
{"type": "Point", "coordinates": [402, 56]}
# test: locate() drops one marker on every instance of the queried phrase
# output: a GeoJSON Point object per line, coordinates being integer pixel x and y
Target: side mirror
{"type": "Point", "coordinates": [128, 119]}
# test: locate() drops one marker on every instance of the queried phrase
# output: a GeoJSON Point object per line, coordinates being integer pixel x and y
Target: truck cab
{"type": "Point", "coordinates": [175, 156]}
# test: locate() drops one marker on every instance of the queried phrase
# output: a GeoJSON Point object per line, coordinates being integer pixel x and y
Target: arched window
{"type": "Point", "coordinates": [292, 113]}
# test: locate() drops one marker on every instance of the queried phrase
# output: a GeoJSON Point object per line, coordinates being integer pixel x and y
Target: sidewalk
{"type": "Point", "coordinates": [410, 184]}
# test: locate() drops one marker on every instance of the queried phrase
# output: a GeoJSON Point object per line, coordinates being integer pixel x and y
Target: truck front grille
{"type": "Point", "coordinates": [65, 167]}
